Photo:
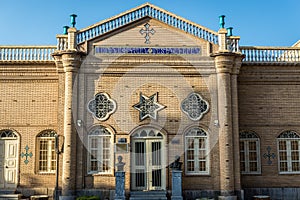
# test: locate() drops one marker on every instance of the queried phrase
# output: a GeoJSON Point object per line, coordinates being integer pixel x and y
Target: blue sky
{"type": "Point", "coordinates": [258, 22]}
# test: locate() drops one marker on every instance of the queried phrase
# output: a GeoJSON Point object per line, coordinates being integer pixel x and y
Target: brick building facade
{"type": "Point", "coordinates": [148, 85]}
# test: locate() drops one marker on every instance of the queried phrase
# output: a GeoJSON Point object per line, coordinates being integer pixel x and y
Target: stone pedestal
{"type": "Point", "coordinates": [67, 197]}
{"type": "Point", "coordinates": [120, 185]}
{"type": "Point", "coordinates": [227, 198]}
{"type": "Point", "coordinates": [176, 185]}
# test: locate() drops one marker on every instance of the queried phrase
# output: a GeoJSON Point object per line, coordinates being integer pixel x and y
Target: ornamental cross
{"type": "Point", "coordinates": [26, 154]}
{"type": "Point", "coordinates": [269, 155]}
{"type": "Point", "coordinates": [147, 32]}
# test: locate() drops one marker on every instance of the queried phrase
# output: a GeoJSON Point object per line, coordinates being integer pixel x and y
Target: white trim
{"type": "Point", "coordinates": [289, 157]}
{"type": "Point", "coordinates": [147, 140]}
{"type": "Point", "coordinates": [246, 153]}
{"type": "Point", "coordinates": [196, 153]}
{"type": "Point", "coordinates": [50, 151]}
{"type": "Point", "coordinates": [99, 148]}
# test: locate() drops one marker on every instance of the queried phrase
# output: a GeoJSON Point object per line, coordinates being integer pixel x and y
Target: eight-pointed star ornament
{"type": "Point", "coordinates": [148, 106]}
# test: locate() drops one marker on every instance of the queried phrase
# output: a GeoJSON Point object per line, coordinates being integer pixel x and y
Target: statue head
{"type": "Point", "coordinates": [120, 158]}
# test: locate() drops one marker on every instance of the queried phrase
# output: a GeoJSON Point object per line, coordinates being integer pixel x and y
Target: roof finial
{"type": "Point", "coordinates": [66, 30]}
{"type": "Point", "coordinates": [229, 31]}
{"type": "Point", "coordinates": [73, 19]}
{"type": "Point", "coordinates": [222, 21]}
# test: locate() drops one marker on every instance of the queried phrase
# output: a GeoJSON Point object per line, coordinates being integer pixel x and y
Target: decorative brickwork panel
{"type": "Point", "coordinates": [102, 106]}
{"type": "Point", "coordinates": [194, 106]}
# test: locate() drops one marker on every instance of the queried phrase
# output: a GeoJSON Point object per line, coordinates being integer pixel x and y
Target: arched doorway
{"type": "Point", "coordinates": [9, 162]}
{"type": "Point", "coordinates": [148, 171]}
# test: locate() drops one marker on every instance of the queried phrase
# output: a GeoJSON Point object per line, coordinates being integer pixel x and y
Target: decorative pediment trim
{"type": "Point", "coordinates": [146, 10]}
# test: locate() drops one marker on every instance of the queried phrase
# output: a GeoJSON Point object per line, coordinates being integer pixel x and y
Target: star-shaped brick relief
{"type": "Point", "coordinates": [148, 106]}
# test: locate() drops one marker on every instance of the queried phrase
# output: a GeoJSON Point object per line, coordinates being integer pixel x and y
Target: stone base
{"type": "Point", "coordinates": [10, 196]}
{"type": "Point", "coordinates": [67, 197]}
{"type": "Point", "coordinates": [176, 198]}
{"type": "Point", "coordinates": [227, 197]}
{"type": "Point", "coordinates": [119, 198]}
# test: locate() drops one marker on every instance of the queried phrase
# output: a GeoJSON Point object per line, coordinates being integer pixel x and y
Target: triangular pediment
{"type": "Point", "coordinates": [146, 12]}
{"type": "Point", "coordinates": [149, 33]}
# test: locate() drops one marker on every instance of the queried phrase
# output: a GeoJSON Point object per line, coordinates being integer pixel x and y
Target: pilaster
{"type": "Point", "coordinates": [227, 67]}
{"type": "Point", "coordinates": [68, 62]}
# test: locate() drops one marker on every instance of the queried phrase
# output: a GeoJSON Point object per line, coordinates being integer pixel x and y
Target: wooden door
{"type": "Point", "coordinates": [8, 163]}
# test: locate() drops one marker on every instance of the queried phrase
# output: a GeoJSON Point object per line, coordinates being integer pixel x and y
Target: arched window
{"type": "Point", "coordinates": [249, 153]}
{"type": "Point", "coordinates": [7, 134]}
{"type": "Point", "coordinates": [46, 156]}
{"type": "Point", "coordinates": [289, 152]}
{"type": "Point", "coordinates": [196, 151]}
{"type": "Point", "coordinates": [100, 151]}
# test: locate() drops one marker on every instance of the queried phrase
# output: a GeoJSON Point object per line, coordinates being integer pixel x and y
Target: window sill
{"type": "Point", "coordinates": [197, 175]}
{"type": "Point", "coordinates": [289, 173]}
{"type": "Point", "coordinates": [45, 173]}
{"type": "Point", "coordinates": [99, 174]}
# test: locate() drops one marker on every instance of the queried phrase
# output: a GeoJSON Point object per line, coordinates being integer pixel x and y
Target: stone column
{"type": "Point", "coordinates": [228, 126]}
{"type": "Point", "coordinates": [69, 60]}
{"type": "Point", "coordinates": [176, 185]}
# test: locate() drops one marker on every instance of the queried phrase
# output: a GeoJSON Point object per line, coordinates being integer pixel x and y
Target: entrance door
{"type": "Point", "coordinates": [8, 163]}
{"type": "Point", "coordinates": [148, 171]}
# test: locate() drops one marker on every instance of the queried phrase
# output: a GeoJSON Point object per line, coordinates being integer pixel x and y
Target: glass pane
{"type": "Point", "coordinates": [282, 156]}
{"type": "Point", "coordinates": [253, 166]}
{"type": "Point", "coordinates": [295, 166]}
{"type": "Point", "coordinates": [252, 145]}
{"type": "Point", "coordinates": [201, 155]}
{"type": "Point", "coordinates": [252, 156]}
{"type": "Point", "coordinates": [190, 155]}
{"type": "Point", "coordinates": [156, 153]}
{"type": "Point", "coordinates": [294, 145]}
{"type": "Point", "coordinates": [94, 166]}
{"type": "Point", "coordinates": [201, 143]}
{"type": "Point", "coordinates": [190, 166]}
{"type": "Point", "coordinates": [156, 178]}
{"type": "Point", "coordinates": [242, 144]}
{"type": "Point", "coordinates": [202, 166]}
{"type": "Point", "coordinates": [140, 178]}
{"type": "Point", "coordinates": [283, 167]}
{"type": "Point", "coordinates": [139, 153]}
{"type": "Point", "coordinates": [295, 155]}
{"type": "Point", "coordinates": [190, 143]}
{"type": "Point", "coordinates": [282, 145]}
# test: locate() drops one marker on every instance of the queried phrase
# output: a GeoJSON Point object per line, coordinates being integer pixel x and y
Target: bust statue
{"type": "Point", "coordinates": [176, 165]}
{"type": "Point", "coordinates": [120, 164]}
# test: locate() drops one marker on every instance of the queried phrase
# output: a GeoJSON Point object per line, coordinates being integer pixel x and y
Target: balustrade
{"type": "Point", "coordinates": [26, 53]}
{"type": "Point", "coordinates": [62, 42]}
{"type": "Point", "coordinates": [156, 13]}
{"type": "Point", "coordinates": [271, 54]}
{"type": "Point", "coordinates": [233, 43]}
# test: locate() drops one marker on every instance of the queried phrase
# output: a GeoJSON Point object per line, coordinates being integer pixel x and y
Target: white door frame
{"type": "Point", "coordinates": [9, 161]}
{"type": "Point", "coordinates": [149, 162]}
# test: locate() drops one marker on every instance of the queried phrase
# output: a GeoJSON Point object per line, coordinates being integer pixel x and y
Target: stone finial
{"type": "Point", "coordinates": [222, 21]}
{"type": "Point", "coordinates": [65, 30]}
{"type": "Point", "coordinates": [120, 164]}
{"type": "Point", "coordinates": [229, 31]}
{"type": "Point", "coordinates": [73, 20]}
